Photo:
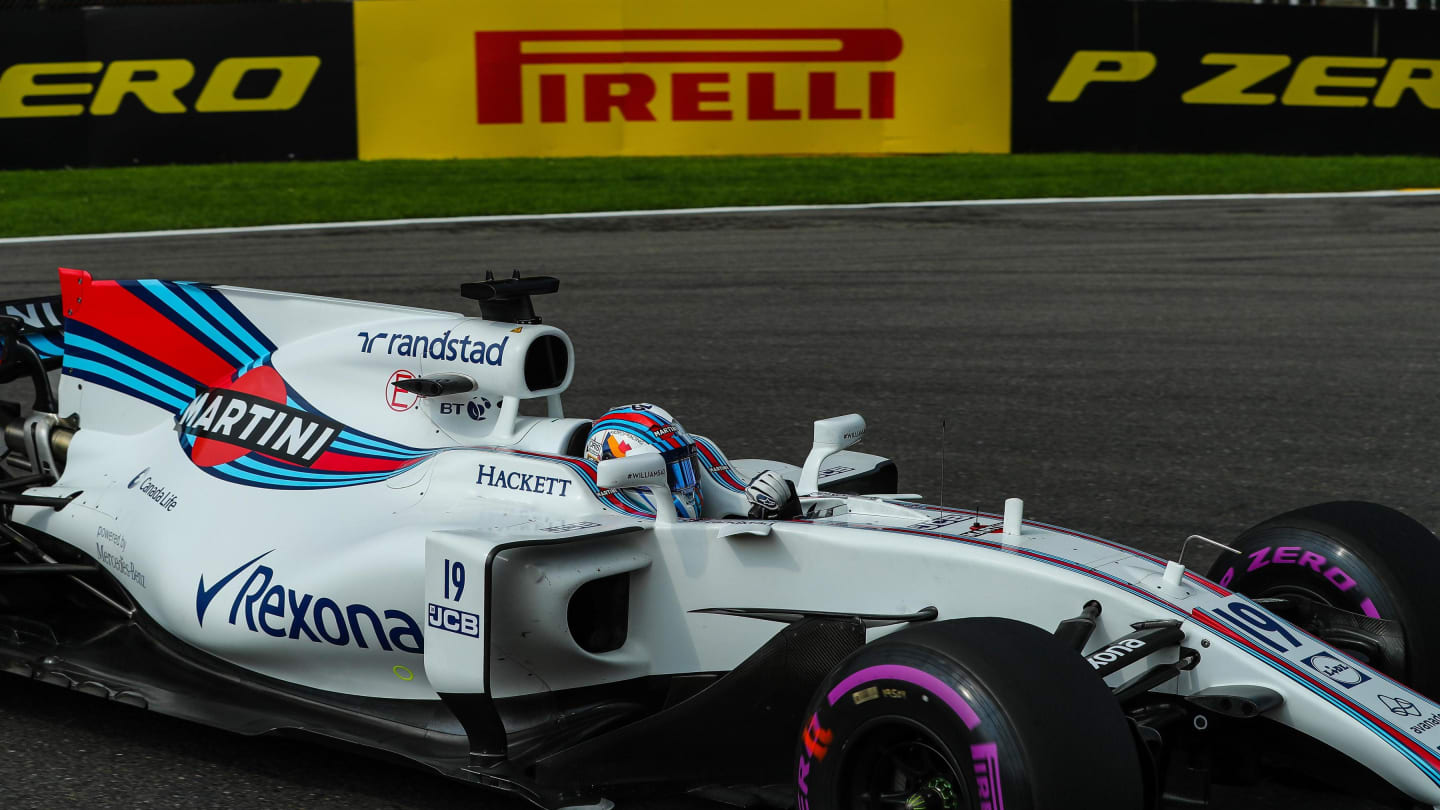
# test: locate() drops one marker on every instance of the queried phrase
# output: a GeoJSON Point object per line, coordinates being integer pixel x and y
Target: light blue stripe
{"type": "Point", "coordinates": [352, 436]}
{"type": "Point", "coordinates": [82, 343]}
{"type": "Point", "coordinates": [249, 367]}
{"type": "Point", "coordinates": [715, 476]}
{"type": "Point", "coordinates": [160, 291]}
{"type": "Point", "coordinates": [631, 428]}
{"type": "Point", "coordinates": [45, 345]}
{"type": "Point", "coordinates": [261, 466]}
{"type": "Point", "coordinates": [1425, 768]}
{"type": "Point", "coordinates": [231, 470]}
{"type": "Point", "coordinates": [355, 449]}
{"type": "Point", "coordinates": [125, 380]}
{"type": "Point", "coordinates": [400, 451]}
{"type": "Point", "coordinates": [1394, 743]}
{"type": "Point", "coordinates": [224, 318]}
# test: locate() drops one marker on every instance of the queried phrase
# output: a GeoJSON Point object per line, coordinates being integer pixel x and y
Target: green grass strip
{"type": "Point", "coordinates": [166, 197]}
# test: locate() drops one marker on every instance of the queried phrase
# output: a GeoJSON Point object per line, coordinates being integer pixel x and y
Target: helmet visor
{"type": "Point", "coordinates": [680, 466]}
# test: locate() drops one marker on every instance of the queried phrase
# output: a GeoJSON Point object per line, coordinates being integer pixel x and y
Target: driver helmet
{"type": "Point", "coordinates": [646, 428]}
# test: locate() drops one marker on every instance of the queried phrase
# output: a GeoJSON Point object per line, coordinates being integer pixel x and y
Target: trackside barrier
{"type": "Point", "coordinates": [459, 78]}
{"type": "Point", "coordinates": [477, 78]}
{"type": "Point", "coordinates": [168, 84]}
{"type": "Point", "coordinates": [1114, 75]}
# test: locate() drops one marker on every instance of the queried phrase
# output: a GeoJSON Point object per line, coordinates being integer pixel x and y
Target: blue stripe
{"type": "Point", "coordinates": [725, 462]}
{"type": "Point", "coordinates": [45, 346]}
{"type": "Point", "coordinates": [230, 471]}
{"type": "Point", "coordinates": [366, 446]}
{"type": "Point", "coordinates": [235, 314]}
{"type": "Point", "coordinates": [365, 452]}
{"type": "Point", "coordinates": [106, 382]}
{"type": "Point", "coordinates": [361, 437]}
{"type": "Point", "coordinates": [162, 309]}
{"type": "Point", "coordinates": [1424, 766]}
{"type": "Point", "coordinates": [82, 345]}
{"type": "Point", "coordinates": [119, 348]}
{"type": "Point", "coordinates": [131, 383]}
{"type": "Point", "coordinates": [203, 299]}
{"type": "Point", "coordinates": [238, 357]}
{"type": "Point", "coordinates": [1421, 764]}
{"type": "Point", "coordinates": [262, 466]}
{"type": "Point", "coordinates": [631, 428]}
{"type": "Point", "coordinates": [250, 366]}
{"type": "Point", "coordinates": [637, 499]}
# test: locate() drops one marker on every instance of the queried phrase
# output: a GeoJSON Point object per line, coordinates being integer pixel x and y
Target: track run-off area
{"type": "Point", "coordinates": [1137, 369]}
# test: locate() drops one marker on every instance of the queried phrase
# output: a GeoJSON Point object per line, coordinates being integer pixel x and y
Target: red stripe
{"type": "Point", "coordinates": [1416, 748]}
{"type": "Point", "coordinates": [1216, 626]}
{"type": "Point", "coordinates": [713, 459]}
{"type": "Point", "coordinates": [1102, 541]}
{"type": "Point", "coordinates": [332, 461]}
{"type": "Point", "coordinates": [649, 423]}
{"type": "Point", "coordinates": [1207, 584]}
{"type": "Point", "coordinates": [114, 310]}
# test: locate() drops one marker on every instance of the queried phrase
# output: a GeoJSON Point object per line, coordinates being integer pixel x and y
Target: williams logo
{"type": "Point", "coordinates": [162, 497]}
{"type": "Point", "coordinates": [252, 415]}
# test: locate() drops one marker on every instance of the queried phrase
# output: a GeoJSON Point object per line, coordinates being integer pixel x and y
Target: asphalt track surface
{"type": "Point", "coordinates": [1138, 371]}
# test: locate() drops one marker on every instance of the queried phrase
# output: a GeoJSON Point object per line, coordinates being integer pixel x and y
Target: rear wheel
{"type": "Point", "coordinates": [969, 714]}
{"type": "Point", "coordinates": [1359, 557]}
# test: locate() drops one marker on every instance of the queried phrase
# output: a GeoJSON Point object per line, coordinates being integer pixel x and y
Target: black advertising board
{"type": "Point", "coordinates": [176, 84]}
{"type": "Point", "coordinates": [1112, 75]}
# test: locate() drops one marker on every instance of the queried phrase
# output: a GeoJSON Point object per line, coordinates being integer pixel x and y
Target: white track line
{"type": "Point", "coordinates": [728, 209]}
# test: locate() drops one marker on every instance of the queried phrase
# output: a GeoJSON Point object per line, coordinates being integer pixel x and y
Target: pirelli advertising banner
{"type": "Point", "coordinates": [474, 78]}
{"type": "Point", "coordinates": [1112, 75]}
{"type": "Point", "coordinates": [153, 84]}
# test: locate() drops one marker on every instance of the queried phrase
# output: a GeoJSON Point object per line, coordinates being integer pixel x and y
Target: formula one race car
{"type": "Point", "coordinates": [281, 513]}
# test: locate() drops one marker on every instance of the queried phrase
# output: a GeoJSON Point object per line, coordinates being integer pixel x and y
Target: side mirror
{"type": "Point", "coordinates": [831, 436]}
{"type": "Point", "coordinates": [642, 471]}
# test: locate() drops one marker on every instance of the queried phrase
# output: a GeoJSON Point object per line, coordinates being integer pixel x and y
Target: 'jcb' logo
{"type": "Point", "coordinates": [1246, 70]}
{"type": "Point", "coordinates": [154, 82]}
{"type": "Point", "coordinates": [499, 56]}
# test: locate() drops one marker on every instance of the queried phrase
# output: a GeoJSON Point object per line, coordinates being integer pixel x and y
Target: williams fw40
{"type": "Point", "coordinates": [281, 513]}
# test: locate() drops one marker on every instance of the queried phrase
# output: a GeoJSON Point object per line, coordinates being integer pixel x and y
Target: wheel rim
{"type": "Point", "coordinates": [898, 765]}
{"type": "Point", "coordinates": [1303, 592]}
{"type": "Point", "coordinates": [1359, 651]}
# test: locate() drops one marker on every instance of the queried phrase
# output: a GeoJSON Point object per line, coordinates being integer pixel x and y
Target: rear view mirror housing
{"type": "Point", "coordinates": [831, 436]}
{"type": "Point", "coordinates": [641, 471]}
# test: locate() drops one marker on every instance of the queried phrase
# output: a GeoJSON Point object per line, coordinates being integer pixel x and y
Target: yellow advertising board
{"type": "Point", "coordinates": [476, 78]}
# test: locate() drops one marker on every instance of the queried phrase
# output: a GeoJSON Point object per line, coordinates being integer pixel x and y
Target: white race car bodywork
{"type": "Point", "coordinates": [432, 545]}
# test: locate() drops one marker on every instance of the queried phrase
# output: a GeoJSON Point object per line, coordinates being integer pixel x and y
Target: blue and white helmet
{"type": "Point", "coordinates": [645, 428]}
